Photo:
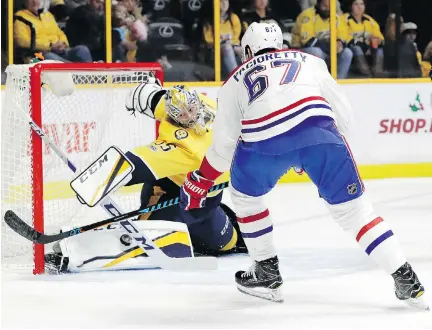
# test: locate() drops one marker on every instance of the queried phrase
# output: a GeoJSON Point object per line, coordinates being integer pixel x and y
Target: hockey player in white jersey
{"type": "Point", "coordinates": [282, 109]}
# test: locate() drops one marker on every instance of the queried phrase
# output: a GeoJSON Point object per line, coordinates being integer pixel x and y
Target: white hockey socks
{"type": "Point", "coordinates": [370, 231]}
{"type": "Point", "coordinates": [255, 224]}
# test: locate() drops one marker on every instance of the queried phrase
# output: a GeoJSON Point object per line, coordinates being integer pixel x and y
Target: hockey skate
{"type": "Point", "coordinates": [262, 280]}
{"type": "Point", "coordinates": [408, 287]}
{"type": "Point", "coordinates": [56, 263]}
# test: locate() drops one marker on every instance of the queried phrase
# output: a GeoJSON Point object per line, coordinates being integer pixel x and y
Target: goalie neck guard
{"type": "Point", "coordinates": [187, 110]}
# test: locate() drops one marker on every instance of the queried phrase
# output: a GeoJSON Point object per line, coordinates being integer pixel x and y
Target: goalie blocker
{"type": "Point", "coordinates": [106, 174]}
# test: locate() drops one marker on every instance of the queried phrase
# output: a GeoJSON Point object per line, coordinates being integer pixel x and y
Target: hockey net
{"type": "Point", "coordinates": [35, 181]}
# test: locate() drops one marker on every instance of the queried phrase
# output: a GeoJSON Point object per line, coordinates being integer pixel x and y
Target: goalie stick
{"type": "Point", "coordinates": [23, 229]}
{"type": "Point", "coordinates": [154, 252]}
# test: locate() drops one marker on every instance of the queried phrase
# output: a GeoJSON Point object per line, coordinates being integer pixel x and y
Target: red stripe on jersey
{"type": "Point", "coordinates": [368, 227]}
{"type": "Point", "coordinates": [208, 171]}
{"type": "Point", "coordinates": [278, 112]}
{"type": "Point", "coordinates": [255, 217]}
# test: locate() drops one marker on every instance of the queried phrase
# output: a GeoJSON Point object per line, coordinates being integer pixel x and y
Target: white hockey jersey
{"type": "Point", "coordinates": [269, 95]}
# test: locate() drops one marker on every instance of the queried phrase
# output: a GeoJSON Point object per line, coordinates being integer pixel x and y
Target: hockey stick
{"type": "Point", "coordinates": [194, 263]}
{"type": "Point", "coordinates": [23, 229]}
{"type": "Point", "coordinates": [153, 251]}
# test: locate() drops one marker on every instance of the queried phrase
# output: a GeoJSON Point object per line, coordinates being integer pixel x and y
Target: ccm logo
{"type": "Point", "coordinates": [93, 168]}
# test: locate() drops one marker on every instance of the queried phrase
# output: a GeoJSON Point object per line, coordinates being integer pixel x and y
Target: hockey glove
{"type": "Point", "coordinates": [145, 97]}
{"type": "Point", "coordinates": [193, 192]}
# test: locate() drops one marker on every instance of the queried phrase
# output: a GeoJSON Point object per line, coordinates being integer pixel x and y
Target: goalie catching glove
{"type": "Point", "coordinates": [145, 97]}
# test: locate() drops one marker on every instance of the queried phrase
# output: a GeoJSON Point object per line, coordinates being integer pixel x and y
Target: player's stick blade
{"type": "Point", "coordinates": [20, 227]}
{"type": "Point", "coordinates": [274, 295]}
{"type": "Point", "coordinates": [190, 264]}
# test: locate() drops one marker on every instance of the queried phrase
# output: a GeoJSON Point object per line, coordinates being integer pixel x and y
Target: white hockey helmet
{"type": "Point", "coordinates": [260, 36]}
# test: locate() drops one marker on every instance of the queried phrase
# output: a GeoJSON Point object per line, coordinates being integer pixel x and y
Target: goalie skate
{"type": "Point", "coordinates": [262, 280]}
{"type": "Point", "coordinates": [408, 288]}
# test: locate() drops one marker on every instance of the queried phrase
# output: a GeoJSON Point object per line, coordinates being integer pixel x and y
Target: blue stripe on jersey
{"type": "Point", "coordinates": [284, 119]}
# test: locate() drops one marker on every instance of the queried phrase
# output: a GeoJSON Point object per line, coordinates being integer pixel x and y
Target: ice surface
{"type": "Point", "coordinates": [329, 281]}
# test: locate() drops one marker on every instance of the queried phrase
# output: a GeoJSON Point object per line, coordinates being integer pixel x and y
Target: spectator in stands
{"type": "Point", "coordinates": [137, 29]}
{"type": "Point", "coordinates": [133, 11]}
{"type": "Point", "coordinates": [230, 29]}
{"type": "Point", "coordinates": [120, 32]}
{"type": "Point", "coordinates": [86, 26]}
{"type": "Point", "coordinates": [127, 30]}
{"type": "Point", "coordinates": [312, 34]}
{"type": "Point", "coordinates": [427, 55]}
{"type": "Point", "coordinates": [365, 40]}
{"type": "Point", "coordinates": [402, 63]}
{"type": "Point", "coordinates": [409, 32]}
{"type": "Point", "coordinates": [73, 4]}
{"type": "Point", "coordinates": [305, 4]}
{"type": "Point", "coordinates": [38, 31]}
{"type": "Point", "coordinates": [59, 9]}
{"type": "Point", "coordinates": [261, 13]}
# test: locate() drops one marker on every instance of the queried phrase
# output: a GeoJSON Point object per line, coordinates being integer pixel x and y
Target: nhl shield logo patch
{"type": "Point", "coordinates": [352, 189]}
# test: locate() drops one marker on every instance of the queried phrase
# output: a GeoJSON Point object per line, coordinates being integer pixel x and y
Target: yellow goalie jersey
{"type": "Point", "coordinates": [175, 152]}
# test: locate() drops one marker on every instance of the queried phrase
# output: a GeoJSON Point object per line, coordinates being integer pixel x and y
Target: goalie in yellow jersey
{"type": "Point", "coordinates": [185, 135]}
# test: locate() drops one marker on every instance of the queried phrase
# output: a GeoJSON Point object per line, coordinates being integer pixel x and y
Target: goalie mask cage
{"type": "Point", "coordinates": [35, 181]}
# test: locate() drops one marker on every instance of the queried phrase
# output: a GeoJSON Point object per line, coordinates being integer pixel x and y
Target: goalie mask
{"type": "Point", "coordinates": [186, 109]}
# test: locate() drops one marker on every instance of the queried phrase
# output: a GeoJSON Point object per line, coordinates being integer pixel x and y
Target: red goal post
{"type": "Point", "coordinates": [83, 124]}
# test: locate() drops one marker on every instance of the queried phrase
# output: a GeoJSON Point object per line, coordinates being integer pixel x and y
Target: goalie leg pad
{"type": "Point", "coordinates": [108, 248]}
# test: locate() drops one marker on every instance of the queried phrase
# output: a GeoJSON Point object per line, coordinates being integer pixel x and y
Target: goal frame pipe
{"type": "Point", "coordinates": [36, 141]}
{"type": "Point", "coordinates": [37, 169]}
{"type": "Point", "coordinates": [149, 66]}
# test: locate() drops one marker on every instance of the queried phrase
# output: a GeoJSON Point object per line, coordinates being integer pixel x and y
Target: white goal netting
{"type": "Point", "coordinates": [83, 125]}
